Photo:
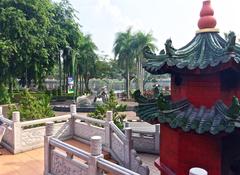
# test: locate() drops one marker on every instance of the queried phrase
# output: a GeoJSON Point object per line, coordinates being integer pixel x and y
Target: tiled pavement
{"type": "Point", "coordinates": [28, 163]}
{"type": "Point", "coordinates": [148, 159]}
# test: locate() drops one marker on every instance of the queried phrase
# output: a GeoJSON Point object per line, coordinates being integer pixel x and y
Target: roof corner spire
{"type": "Point", "coordinates": [207, 22]}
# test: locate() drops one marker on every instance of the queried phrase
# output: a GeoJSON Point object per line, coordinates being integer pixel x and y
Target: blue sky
{"type": "Point", "coordinates": [164, 18]}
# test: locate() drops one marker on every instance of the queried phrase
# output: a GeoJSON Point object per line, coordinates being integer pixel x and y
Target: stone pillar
{"type": "Point", "coordinates": [126, 125]}
{"type": "Point", "coordinates": [47, 147]}
{"type": "Point", "coordinates": [96, 146]}
{"type": "Point", "coordinates": [108, 131]}
{"type": "Point", "coordinates": [128, 146]}
{"type": "Point", "coordinates": [1, 111]}
{"type": "Point", "coordinates": [197, 171]}
{"type": "Point", "coordinates": [73, 110]}
{"type": "Point", "coordinates": [157, 138]}
{"type": "Point", "coordinates": [96, 153]}
{"type": "Point", "coordinates": [16, 132]}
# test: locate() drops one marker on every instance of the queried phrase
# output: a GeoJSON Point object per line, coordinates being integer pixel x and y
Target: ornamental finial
{"type": "Point", "coordinates": [207, 20]}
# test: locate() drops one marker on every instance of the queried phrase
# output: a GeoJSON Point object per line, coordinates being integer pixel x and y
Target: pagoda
{"type": "Point", "coordinates": [200, 120]}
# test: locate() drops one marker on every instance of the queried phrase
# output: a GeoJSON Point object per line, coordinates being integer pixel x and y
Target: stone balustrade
{"type": "Point", "coordinates": [146, 141]}
{"type": "Point", "coordinates": [59, 158]}
{"type": "Point", "coordinates": [28, 135]}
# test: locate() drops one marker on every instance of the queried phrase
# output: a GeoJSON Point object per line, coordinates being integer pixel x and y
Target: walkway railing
{"type": "Point", "coordinates": [146, 141]}
{"type": "Point", "coordinates": [23, 136]}
{"type": "Point", "coordinates": [28, 135]}
{"type": "Point", "coordinates": [119, 145]}
{"type": "Point", "coordinates": [61, 158]}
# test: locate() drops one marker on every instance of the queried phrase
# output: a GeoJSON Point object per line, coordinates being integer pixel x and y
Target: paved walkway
{"type": "Point", "coordinates": [148, 159]}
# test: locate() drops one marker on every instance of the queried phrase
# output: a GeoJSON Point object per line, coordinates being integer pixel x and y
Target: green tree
{"type": "Point", "coordinates": [32, 36]}
{"type": "Point", "coordinates": [24, 29]}
{"type": "Point", "coordinates": [141, 40]}
{"type": "Point", "coordinates": [69, 36]}
{"type": "Point", "coordinates": [123, 51]}
{"type": "Point", "coordinates": [86, 62]}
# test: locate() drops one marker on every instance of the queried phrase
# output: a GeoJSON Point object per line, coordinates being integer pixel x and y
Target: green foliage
{"type": "Point", "coordinates": [32, 36]}
{"type": "Point", "coordinates": [111, 105]}
{"type": "Point", "coordinates": [128, 49]}
{"type": "Point", "coordinates": [32, 107]}
{"type": "Point", "coordinates": [4, 95]}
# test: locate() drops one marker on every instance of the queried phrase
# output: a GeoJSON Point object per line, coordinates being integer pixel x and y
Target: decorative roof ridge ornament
{"type": "Point", "coordinates": [231, 42]}
{"type": "Point", "coordinates": [207, 22]}
{"type": "Point", "coordinates": [170, 50]}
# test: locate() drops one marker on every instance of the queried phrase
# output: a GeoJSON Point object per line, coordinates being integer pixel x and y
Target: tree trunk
{"type": "Point", "coordinates": [10, 86]}
{"type": "Point", "coordinates": [86, 83]}
{"type": "Point", "coordinates": [66, 83]}
{"type": "Point", "coordinates": [127, 79]}
{"type": "Point", "coordinates": [60, 75]}
{"type": "Point", "coordinates": [137, 85]}
{"type": "Point", "coordinates": [81, 85]}
{"type": "Point", "coordinates": [141, 87]}
{"type": "Point", "coordinates": [76, 85]}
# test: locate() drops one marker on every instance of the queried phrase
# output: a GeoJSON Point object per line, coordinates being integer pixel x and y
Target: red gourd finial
{"type": "Point", "coordinates": [207, 20]}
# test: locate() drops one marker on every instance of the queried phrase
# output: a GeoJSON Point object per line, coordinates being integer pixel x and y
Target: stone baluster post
{"type": "Point", "coordinates": [96, 153]}
{"type": "Point", "coordinates": [16, 132]}
{"type": "Point", "coordinates": [126, 125]}
{"type": "Point", "coordinates": [73, 110]}
{"type": "Point", "coordinates": [47, 147]}
{"type": "Point", "coordinates": [108, 131]}
{"type": "Point", "coordinates": [1, 111]}
{"type": "Point", "coordinates": [197, 171]}
{"type": "Point", "coordinates": [157, 138]}
{"type": "Point", "coordinates": [128, 146]}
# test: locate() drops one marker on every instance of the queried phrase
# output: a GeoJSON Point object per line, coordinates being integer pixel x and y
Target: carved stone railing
{"type": "Point", "coordinates": [146, 141]}
{"type": "Point", "coordinates": [119, 145]}
{"type": "Point", "coordinates": [28, 135]}
{"type": "Point", "coordinates": [61, 158]}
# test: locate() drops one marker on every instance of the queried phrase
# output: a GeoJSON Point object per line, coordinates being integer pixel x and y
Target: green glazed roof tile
{"type": "Point", "coordinates": [189, 118]}
{"type": "Point", "coordinates": [205, 50]}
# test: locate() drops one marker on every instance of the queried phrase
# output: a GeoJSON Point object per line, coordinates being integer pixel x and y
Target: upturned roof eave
{"type": "Point", "coordinates": [206, 52]}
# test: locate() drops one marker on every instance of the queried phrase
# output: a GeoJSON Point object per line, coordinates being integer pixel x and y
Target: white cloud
{"type": "Point", "coordinates": [121, 21]}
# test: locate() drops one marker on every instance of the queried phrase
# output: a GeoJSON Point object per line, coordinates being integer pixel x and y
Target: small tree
{"type": "Point", "coordinates": [111, 105]}
{"type": "Point", "coordinates": [32, 107]}
{"type": "Point", "coordinates": [4, 95]}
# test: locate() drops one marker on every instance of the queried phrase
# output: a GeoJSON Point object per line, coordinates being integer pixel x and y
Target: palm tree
{"type": "Point", "coordinates": [85, 62]}
{"type": "Point", "coordinates": [123, 52]}
{"type": "Point", "coordinates": [139, 42]}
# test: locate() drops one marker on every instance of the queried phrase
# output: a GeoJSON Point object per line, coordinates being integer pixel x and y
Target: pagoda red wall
{"type": "Point", "coordinates": [202, 90]}
{"type": "Point", "coordinates": [180, 151]}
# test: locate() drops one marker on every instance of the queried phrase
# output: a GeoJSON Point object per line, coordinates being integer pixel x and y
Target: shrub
{"type": "Point", "coordinates": [111, 105]}
{"type": "Point", "coordinates": [4, 95]}
{"type": "Point", "coordinates": [32, 107]}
